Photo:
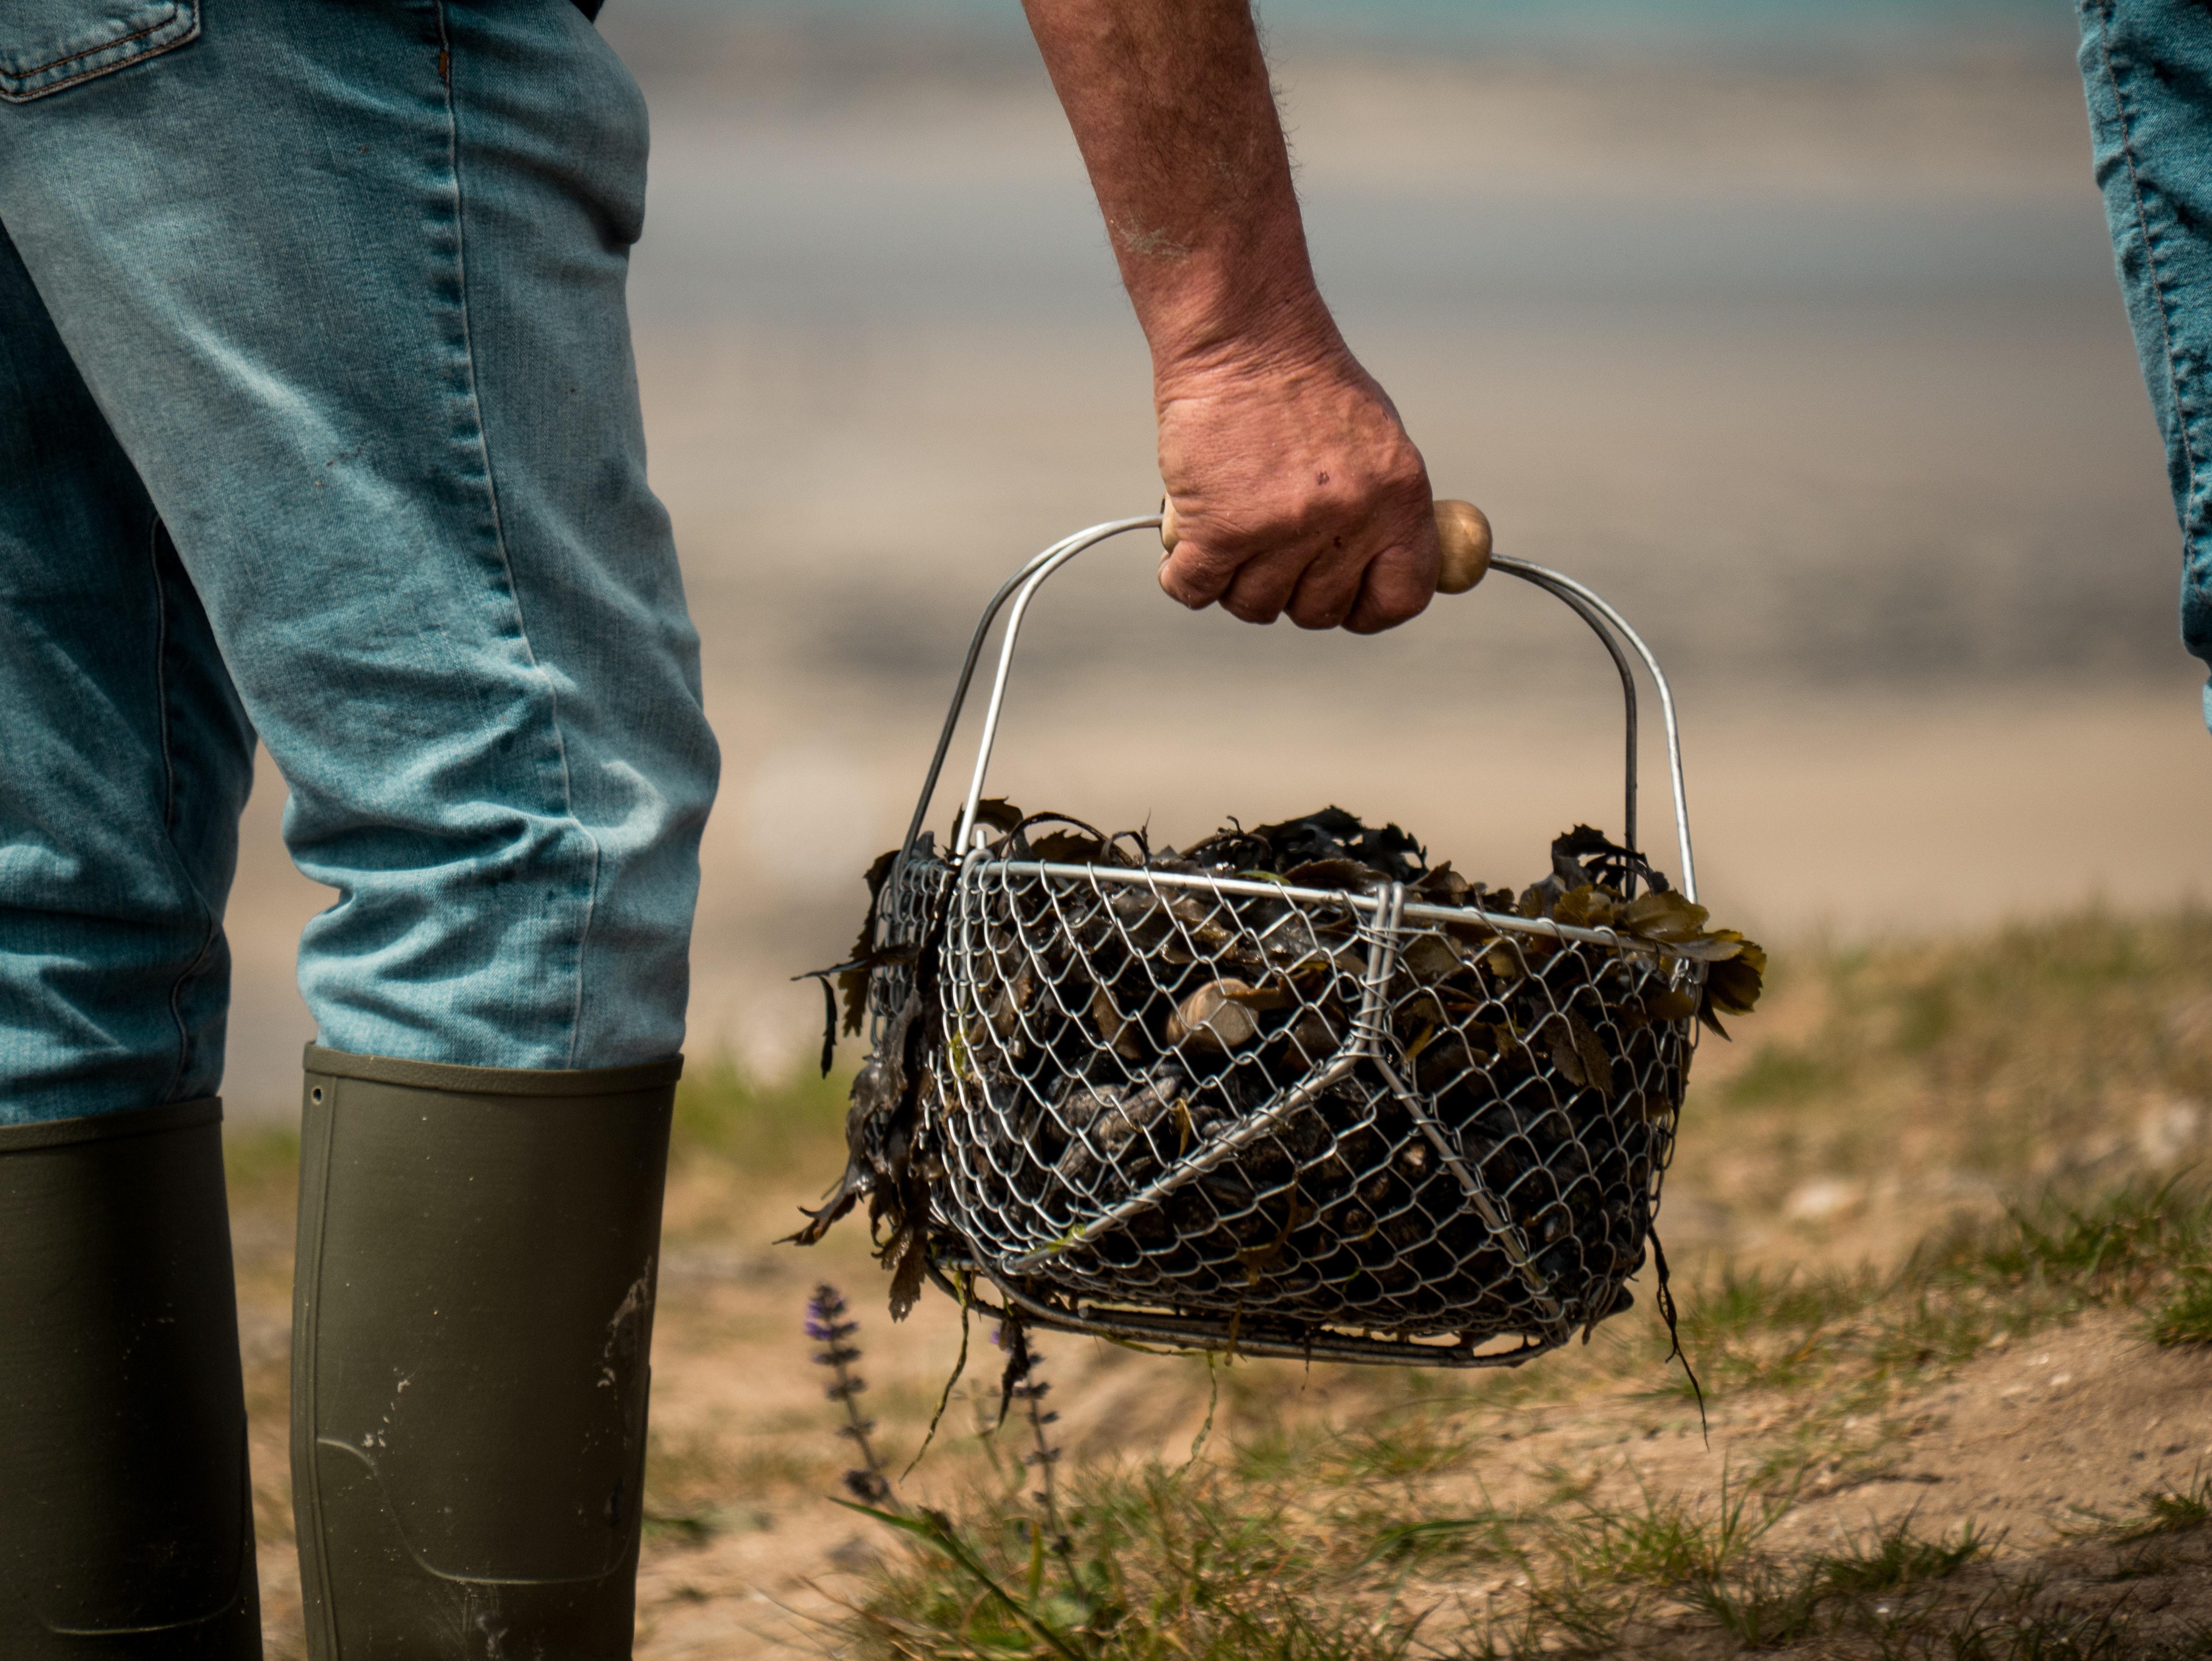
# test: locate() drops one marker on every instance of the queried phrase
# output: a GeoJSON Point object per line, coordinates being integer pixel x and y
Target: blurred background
{"type": "Point", "coordinates": [1790, 327]}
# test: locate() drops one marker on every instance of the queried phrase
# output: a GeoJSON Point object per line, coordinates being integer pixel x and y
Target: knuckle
{"type": "Point", "coordinates": [1194, 577]}
{"type": "Point", "coordinates": [1408, 471]}
{"type": "Point", "coordinates": [1182, 594]}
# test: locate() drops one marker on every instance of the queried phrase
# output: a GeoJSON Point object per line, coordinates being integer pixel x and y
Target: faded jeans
{"type": "Point", "coordinates": [2147, 65]}
{"type": "Point", "coordinates": [319, 420]}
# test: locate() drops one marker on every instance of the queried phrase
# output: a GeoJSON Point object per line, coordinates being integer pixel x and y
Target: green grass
{"type": "Point", "coordinates": [260, 1162]}
{"type": "Point", "coordinates": [2184, 1314]}
{"type": "Point", "coordinates": [1329, 1545]}
{"type": "Point", "coordinates": [1780, 1075]}
{"type": "Point", "coordinates": [2112, 1246]}
{"type": "Point", "coordinates": [1763, 1606]}
{"type": "Point", "coordinates": [1661, 1540]}
{"type": "Point", "coordinates": [2140, 1245]}
{"type": "Point", "coordinates": [1401, 1447]}
{"type": "Point", "coordinates": [1890, 1559]}
{"type": "Point", "coordinates": [1154, 1562]}
{"type": "Point", "coordinates": [1765, 1602]}
{"type": "Point", "coordinates": [2158, 1512]}
{"type": "Point", "coordinates": [771, 1126]}
{"type": "Point", "coordinates": [1996, 1052]}
{"type": "Point", "coordinates": [2020, 1059]}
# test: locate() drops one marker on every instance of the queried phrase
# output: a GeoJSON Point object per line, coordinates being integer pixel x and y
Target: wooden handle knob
{"type": "Point", "coordinates": [1462, 540]}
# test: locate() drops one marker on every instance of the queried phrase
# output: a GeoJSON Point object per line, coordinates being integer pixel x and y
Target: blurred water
{"type": "Point", "coordinates": [775, 229]}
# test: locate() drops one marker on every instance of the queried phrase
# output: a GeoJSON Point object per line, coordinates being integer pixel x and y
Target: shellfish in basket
{"type": "Point", "coordinates": [1293, 1090]}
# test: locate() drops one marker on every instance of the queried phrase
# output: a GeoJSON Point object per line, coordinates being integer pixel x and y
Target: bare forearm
{"type": "Point", "coordinates": [1296, 489]}
{"type": "Point", "coordinates": [1171, 106]}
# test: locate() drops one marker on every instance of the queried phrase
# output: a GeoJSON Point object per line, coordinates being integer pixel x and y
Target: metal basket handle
{"type": "Point", "coordinates": [1610, 627]}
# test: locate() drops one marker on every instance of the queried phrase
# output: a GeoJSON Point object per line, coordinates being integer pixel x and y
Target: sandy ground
{"type": "Point", "coordinates": [2022, 1442]}
{"type": "Point", "coordinates": [2017, 1445]}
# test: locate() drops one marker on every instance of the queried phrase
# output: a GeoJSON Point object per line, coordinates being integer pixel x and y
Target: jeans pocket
{"type": "Point", "coordinates": [46, 46]}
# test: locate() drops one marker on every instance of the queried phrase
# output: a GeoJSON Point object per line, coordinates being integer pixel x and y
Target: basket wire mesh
{"type": "Point", "coordinates": [1196, 1109]}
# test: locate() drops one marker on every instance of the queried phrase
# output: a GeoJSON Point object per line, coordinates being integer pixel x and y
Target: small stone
{"type": "Point", "coordinates": [1211, 1018]}
{"type": "Point", "coordinates": [1825, 1200]}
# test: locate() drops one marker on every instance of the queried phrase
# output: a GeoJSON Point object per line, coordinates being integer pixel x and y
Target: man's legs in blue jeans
{"type": "Point", "coordinates": [347, 283]}
{"type": "Point", "coordinates": [334, 292]}
{"type": "Point", "coordinates": [2147, 67]}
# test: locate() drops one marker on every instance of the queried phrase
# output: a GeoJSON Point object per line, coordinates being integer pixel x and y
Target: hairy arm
{"type": "Point", "coordinates": [1295, 486]}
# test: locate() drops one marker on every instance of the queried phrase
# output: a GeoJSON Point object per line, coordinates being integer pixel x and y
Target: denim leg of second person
{"type": "Point", "coordinates": [2146, 66]}
{"type": "Point", "coordinates": [125, 759]}
{"type": "Point", "coordinates": [346, 283]}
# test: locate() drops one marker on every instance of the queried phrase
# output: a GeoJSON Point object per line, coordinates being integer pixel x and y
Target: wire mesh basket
{"type": "Point", "coordinates": [1171, 1103]}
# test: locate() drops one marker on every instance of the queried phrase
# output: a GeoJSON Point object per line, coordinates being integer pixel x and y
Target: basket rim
{"type": "Point", "coordinates": [1148, 877]}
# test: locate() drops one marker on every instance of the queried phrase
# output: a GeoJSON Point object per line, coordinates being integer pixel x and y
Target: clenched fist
{"type": "Point", "coordinates": [1295, 491]}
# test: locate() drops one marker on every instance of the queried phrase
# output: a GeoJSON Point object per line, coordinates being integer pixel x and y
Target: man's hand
{"type": "Point", "coordinates": [1295, 491]}
{"type": "Point", "coordinates": [1295, 487]}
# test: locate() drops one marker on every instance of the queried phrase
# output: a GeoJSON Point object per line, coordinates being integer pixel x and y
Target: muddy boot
{"type": "Point", "coordinates": [126, 1515]}
{"type": "Point", "coordinates": [471, 1316]}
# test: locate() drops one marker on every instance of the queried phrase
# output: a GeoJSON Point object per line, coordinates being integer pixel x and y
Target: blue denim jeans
{"type": "Point", "coordinates": [2147, 65]}
{"type": "Point", "coordinates": [319, 420]}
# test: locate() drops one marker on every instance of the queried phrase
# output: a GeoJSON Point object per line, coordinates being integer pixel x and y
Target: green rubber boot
{"type": "Point", "coordinates": [126, 1514]}
{"type": "Point", "coordinates": [472, 1313]}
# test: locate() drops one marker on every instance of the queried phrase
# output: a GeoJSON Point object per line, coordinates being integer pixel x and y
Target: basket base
{"type": "Point", "coordinates": [1159, 1329]}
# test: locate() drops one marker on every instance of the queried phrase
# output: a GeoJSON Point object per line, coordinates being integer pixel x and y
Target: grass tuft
{"type": "Point", "coordinates": [1155, 1562]}
{"type": "Point", "coordinates": [2158, 1511]}
{"type": "Point", "coordinates": [2134, 1244]}
{"type": "Point", "coordinates": [1779, 1076]}
{"type": "Point", "coordinates": [2184, 1314]}
{"type": "Point", "coordinates": [1763, 1605]}
{"type": "Point", "coordinates": [1663, 1540]}
{"type": "Point", "coordinates": [1895, 1557]}
{"type": "Point", "coordinates": [2108, 1247]}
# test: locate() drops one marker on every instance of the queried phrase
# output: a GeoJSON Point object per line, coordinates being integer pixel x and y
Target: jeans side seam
{"type": "Point", "coordinates": [169, 813]}
{"type": "Point", "coordinates": [499, 533]}
{"type": "Point", "coordinates": [2182, 415]}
